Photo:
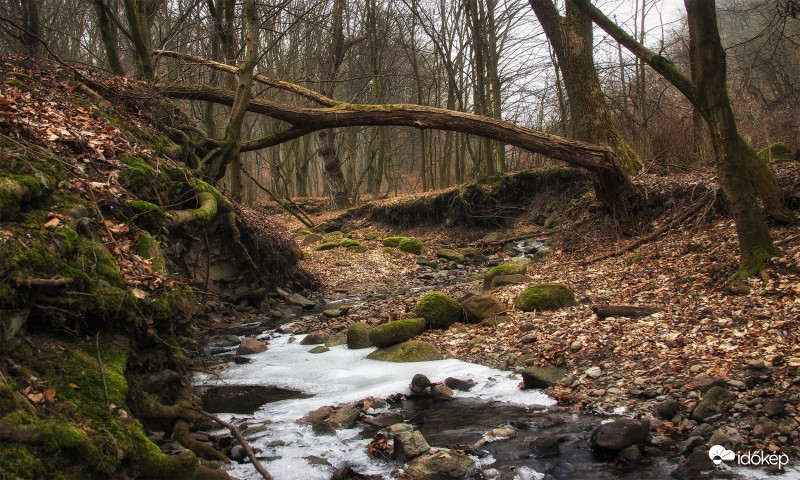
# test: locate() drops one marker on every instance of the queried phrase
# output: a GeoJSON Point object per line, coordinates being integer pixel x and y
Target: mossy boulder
{"type": "Point", "coordinates": [450, 254]}
{"type": "Point", "coordinates": [439, 310]}
{"type": "Point", "coordinates": [349, 243]}
{"type": "Point", "coordinates": [775, 151]}
{"type": "Point", "coordinates": [328, 246]}
{"type": "Point", "coordinates": [505, 269]}
{"type": "Point", "coordinates": [543, 377]}
{"type": "Point", "coordinates": [372, 236]}
{"type": "Point", "coordinates": [146, 215]}
{"type": "Point", "coordinates": [393, 241]}
{"type": "Point", "coordinates": [410, 351]}
{"type": "Point", "coordinates": [481, 307]}
{"type": "Point", "coordinates": [711, 403]}
{"type": "Point", "coordinates": [412, 245]}
{"type": "Point", "coordinates": [545, 296]}
{"type": "Point", "coordinates": [396, 332]}
{"type": "Point", "coordinates": [358, 336]}
{"type": "Point", "coordinates": [470, 252]}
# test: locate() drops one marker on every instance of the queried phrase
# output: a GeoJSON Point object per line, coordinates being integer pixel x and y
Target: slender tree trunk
{"type": "Point", "coordinates": [31, 37]}
{"type": "Point", "coordinates": [109, 37]}
{"type": "Point", "coordinates": [732, 152]}
{"type": "Point", "coordinates": [137, 13]}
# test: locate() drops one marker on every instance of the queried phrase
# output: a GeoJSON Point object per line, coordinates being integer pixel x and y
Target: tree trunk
{"type": "Point", "coordinates": [32, 36]}
{"type": "Point", "coordinates": [109, 37]}
{"type": "Point", "coordinates": [590, 119]}
{"type": "Point", "coordinates": [709, 75]}
{"type": "Point", "coordinates": [137, 12]}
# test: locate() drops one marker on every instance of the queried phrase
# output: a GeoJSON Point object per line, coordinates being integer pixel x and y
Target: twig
{"type": "Point", "coordinates": [236, 433]}
{"type": "Point", "coordinates": [306, 222]}
{"type": "Point", "coordinates": [42, 282]}
{"type": "Point", "coordinates": [102, 373]}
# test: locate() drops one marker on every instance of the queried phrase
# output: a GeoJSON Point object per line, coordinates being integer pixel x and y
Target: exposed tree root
{"type": "Point", "coordinates": [203, 214]}
{"type": "Point", "coordinates": [203, 450]}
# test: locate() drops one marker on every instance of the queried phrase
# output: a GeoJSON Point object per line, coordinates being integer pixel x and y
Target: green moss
{"type": "Point", "coordinates": [634, 259]}
{"type": "Point", "coordinates": [138, 175]}
{"type": "Point", "coordinates": [393, 241]}
{"type": "Point", "coordinates": [328, 246]}
{"type": "Point", "coordinates": [470, 252]}
{"type": "Point", "coordinates": [410, 351]}
{"type": "Point", "coordinates": [169, 304]}
{"type": "Point", "coordinates": [438, 310]}
{"type": "Point", "coordinates": [112, 118]}
{"type": "Point", "coordinates": [349, 242]}
{"type": "Point", "coordinates": [372, 236]}
{"type": "Point", "coordinates": [505, 269]}
{"type": "Point", "coordinates": [145, 214]}
{"type": "Point", "coordinates": [100, 265]}
{"type": "Point", "coordinates": [149, 249]}
{"type": "Point", "coordinates": [387, 249]}
{"type": "Point", "coordinates": [18, 462]}
{"type": "Point", "coordinates": [412, 245]}
{"type": "Point", "coordinates": [20, 85]}
{"type": "Point", "coordinates": [545, 296]}
{"type": "Point", "coordinates": [775, 151]}
{"type": "Point", "coordinates": [15, 191]}
{"type": "Point", "coordinates": [397, 331]}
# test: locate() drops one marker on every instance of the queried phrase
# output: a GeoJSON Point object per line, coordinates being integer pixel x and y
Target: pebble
{"type": "Point", "coordinates": [594, 372]}
{"type": "Point", "coordinates": [576, 346]}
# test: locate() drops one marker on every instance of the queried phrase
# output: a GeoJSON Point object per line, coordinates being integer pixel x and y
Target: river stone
{"type": "Point", "coordinates": [222, 341]}
{"type": "Point", "coordinates": [398, 427]}
{"type": "Point", "coordinates": [704, 382]}
{"type": "Point", "coordinates": [505, 269]}
{"type": "Point", "coordinates": [775, 407]}
{"type": "Point", "coordinates": [442, 465]}
{"type": "Point", "coordinates": [238, 453]}
{"type": "Point", "coordinates": [319, 349]}
{"type": "Point", "coordinates": [480, 307]}
{"type": "Point", "coordinates": [335, 312]}
{"type": "Point", "coordinates": [438, 310]}
{"type": "Point", "coordinates": [545, 296]}
{"type": "Point", "coordinates": [344, 417]}
{"type": "Point", "coordinates": [711, 403]}
{"type": "Point", "coordinates": [458, 384]}
{"type": "Point", "coordinates": [408, 445]}
{"type": "Point", "coordinates": [316, 337]}
{"type": "Point", "coordinates": [323, 427]}
{"type": "Point", "coordinates": [545, 446]}
{"type": "Point", "coordinates": [251, 346]}
{"type": "Point", "coordinates": [312, 238]}
{"type": "Point", "coordinates": [450, 255]}
{"type": "Point", "coordinates": [336, 339]}
{"type": "Point", "coordinates": [697, 462]}
{"type": "Point", "coordinates": [514, 279]}
{"type": "Point", "coordinates": [470, 252]}
{"type": "Point", "coordinates": [397, 331]}
{"type": "Point", "coordinates": [301, 301]}
{"type": "Point", "coordinates": [667, 409]}
{"type": "Point", "coordinates": [441, 392]}
{"type": "Point", "coordinates": [410, 351]}
{"type": "Point", "coordinates": [764, 427]}
{"type": "Point", "coordinates": [617, 435]}
{"type": "Point", "coordinates": [631, 454]}
{"type": "Point", "coordinates": [419, 385]}
{"type": "Point", "coordinates": [542, 377]}
{"type": "Point", "coordinates": [358, 336]}
{"type": "Point", "coordinates": [319, 414]}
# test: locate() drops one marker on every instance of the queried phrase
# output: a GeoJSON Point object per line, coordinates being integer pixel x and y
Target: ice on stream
{"type": "Point", "coordinates": [339, 377]}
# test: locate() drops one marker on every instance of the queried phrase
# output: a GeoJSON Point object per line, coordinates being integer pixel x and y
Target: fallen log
{"type": "Point", "coordinates": [604, 311]}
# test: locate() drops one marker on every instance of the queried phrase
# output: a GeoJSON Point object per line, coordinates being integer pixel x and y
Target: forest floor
{"type": "Point", "coordinates": [701, 336]}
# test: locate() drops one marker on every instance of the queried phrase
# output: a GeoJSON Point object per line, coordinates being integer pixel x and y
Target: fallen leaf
{"type": "Point", "coordinates": [35, 397]}
{"type": "Point", "coordinates": [72, 385]}
{"type": "Point", "coordinates": [49, 394]}
{"type": "Point", "coordinates": [53, 222]}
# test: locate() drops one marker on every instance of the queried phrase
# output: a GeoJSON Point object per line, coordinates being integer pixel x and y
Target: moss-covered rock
{"type": "Point", "coordinates": [358, 336]}
{"type": "Point", "coordinates": [328, 246]}
{"type": "Point", "coordinates": [450, 255]}
{"type": "Point", "coordinates": [393, 241]}
{"type": "Point", "coordinates": [149, 249]}
{"type": "Point", "coordinates": [542, 377]}
{"type": "Point", "coordinates": [146, 215]}
{"type": "Point", "coordinates": [396, 332]}
{"type": "Point", "coordinates": [372, 236]}
{"type": "Point", "coordinates": [410, 351]}
{"type": "Point", "coordinates": [775, 151]}
{"type": "Point", "coordinates": [349, 243]}
{"type": "Point", "coordinates": [470, 252]}
{"type": "Point", "coordinates": [545, 296]}
{"type": "Point", "coordinates": [439, 310]}
{"type": "Point", "coordinates": [15, 191]}
{"type": "Point", "coordinates": [481, 307]}
{"type": "Point", "coordinates": [505, 269]}
{"type": "Point", "coordinates": [412, 245]}
{"type": "Point", "coordinates": [711, 403]}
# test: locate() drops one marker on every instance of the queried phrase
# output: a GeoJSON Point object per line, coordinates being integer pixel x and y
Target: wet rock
{"type": "Point", "coordinates": [419, 385]}
{"type": "Point", "coordinates": [441, 392]}
{"type": "Point", "coordinates": [410, 351]}
{"type": "Point", "coordinates": [301, 301]}
{"type": "Point", "coordinates": [315, 460]}
{"type": "Point", "coordinates": [344, 417]}
{"type": "Point", "coordinates": [335, 312]}
{"type": "Point", "coordinates": [319, 349]}
{"type": "Point", "coordinates": [442, 465]}
{"type": "Point", "coordinates": [617, 435]}
{"type": "Point", "coordinates": [239, 360]}
{"type": "Point", "coordinates": [223, 341]}
{"type": "Point", "coordinates": [323, 427]}
{"type": "Point", "coordinates": [545, 446]}
{"type": "Point", "coordinates": [347, 473]}
{"type": "Point", "coordinates": [319, 414]}
{"type": "Point", "coordinates": [721, 437]}
{"type": "Point", "coordinates": [692, 468]}
{"type": "Point", "coordinates": [542, 377]}
{"type": "Point", "coordinates": [373, 403]}
{"type": "Point", "coordinates": [545, 296]}
{"type": "Point", "coordinates": [336, 339]}
{"type": "Point", "coordinates": [458, 384]}
{"type": "Point", "coordinates": [513, 279]}
{"type": "Point", "coordinates": [251, 346]}
{"type": "Point", "coordinates": [450, 255]}
{"type": "Point", "coordinates": [314, 338]}
{"type": "Point", "coordinates": [631, 454]}
{"type": "Point", "coordinates": [775, 407]}
{"type": "Point", "coordinates": [358, 336]}
{"type": "Point", "coordinates": [692, 443]}
{"type": "Point", "coordinates": [395, 332]}
{"type": "Point", "coordinates": [481, 307]}
{"type": "Point", "coordinates": [667, 409]}
{"type": "Point", "coordinates": [711, 403]}
{"type": "Point", "coordinates": [705, 382]}
{"type": "Point", "coordinates": [439, 310]}
{"type": "Point", "coordinates": [398, 427]}
{"type": "Point", "coordinates": [238, 453]}
{"type": "Point", "coordinates": [408, 445]}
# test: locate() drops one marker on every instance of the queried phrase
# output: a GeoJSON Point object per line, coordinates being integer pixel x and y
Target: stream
{"type": "Point", "coordinates": [286, 382]}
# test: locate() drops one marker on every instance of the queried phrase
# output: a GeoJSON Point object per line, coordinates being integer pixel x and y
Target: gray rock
{"type": "Point", "coordinates": [594, 372]}
{"type": "Point", "coordinates": [545, 446]}
{"type": "Point", "coordinates": [315, 338]}
{"type": "Point", "coordinates": [323, 427]}
{"type": "Point", "coordinates": [542, 377]}
{"type": "Point", "coordinates": [529, 338]}
{"type": "Point", "coordinates": [617, 435]}
{"type": "Point", "coordinates": [442, 465]}
{"type": "Point", "coordinates": [775, 407]}
{"type": "Point", "coordinates": [223, 341]}
{"type": "Point", "coordinates": [513, 279]}
{"type": "Point", "coordinates": [238, 453]}
{"type": "Point", "coordinates": [694, 465]}
{"type": "Point", "coordinates": [419, 385]}
{"type": "Point", "coordinates": [336, 339]}
{"type": "Point", "coordinates": [667, 409]}
{"type": "Point", "coordinates": [319, 414]}
{"type": "Point", "coordinates": [398, 427]}
{"type": "Point", "coordinates": [301, 301]}
{"type": "Point", "coordinates": [692, 443]}
{"type": "Point", "coordinates": [408, 445]}
{"type": "Point", "coordinates": [576, 346]}
{"type": "Point", "coordinates": [311, 238]}
{"type": "Point", "coordinates": [345, 417]}
{"type": "Point", "coordinates": [410, 351]}
{"type": "Point", "coordinates": [481, 307]}
{"type": "Point", "coordinates": [721, 437]}
{"type": "Point", "coordinates": [458, 384]}
{"type": "Point", "coordinates": [450, 255]}
{"type": "Point", "coordinates": [251, 346]}
{"type": "Point", "coordinates": [358, 336]}
{"type": "Point", "coordinates": [711, 403]}
{"type": "Point", "coordinates": [441, 392]}
{"type": "Point", "coordinates": [319, 349]}
{"type": "Point", "coordinates": [705, 382]}
{"type": "Point", "coordinates": [335, 312]}
{"type": "Point", "coordinates": [764, 428]}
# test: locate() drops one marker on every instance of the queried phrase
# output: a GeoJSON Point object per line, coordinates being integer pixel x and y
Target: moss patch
{"type": "Point", "coordinates": [505, 269]}
{"type": "Point", "coordinates": [393, 241]}
{"type": "Point", "coordinates": [545, 296]}
{"type": "Point", "coordinates": [328, 246]}
{"type": "Point", "coordinates": [144, 214]}
{"type": "Point", "coordinates": [396, 332]}
{"type": "Point", "coordinates": [776, 151]}
{"type": "Point", "coordinates": [410, 351]}
{"type": "Point", "coordinates": [412, 245]}
{"type": "Point", "coordinates": [349, 243]}
{"type": "Point", "coordinates": [439, 310]}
